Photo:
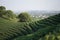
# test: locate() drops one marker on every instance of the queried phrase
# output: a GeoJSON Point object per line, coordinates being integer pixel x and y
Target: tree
{"type": "Point", "coordinates": [2, 13]}
{"type": "Point", "coordinates": [9, 14]}
{"type": "Point", "coordinates": [24, 17]}
{"type": "Point", "coordinates": [2, 8]}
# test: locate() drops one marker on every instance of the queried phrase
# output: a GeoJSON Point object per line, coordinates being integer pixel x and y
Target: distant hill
{"type": "Point", "coordinates": [38, 12]}
{"type": "Point", "coordinates": [43, 12]}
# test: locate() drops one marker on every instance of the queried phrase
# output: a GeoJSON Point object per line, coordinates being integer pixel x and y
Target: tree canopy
{"type": "Point", "coordinates": [8, 14]}
{"type": "Point", "coordinates": [24, 17]}
{"type": "Point", "coordinates": [2, 8]}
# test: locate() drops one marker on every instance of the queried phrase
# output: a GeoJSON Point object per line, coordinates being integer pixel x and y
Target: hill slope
{"type": "Point", "coordinates": [31, 31]}
{"type": "Point", "coordinates": [48, 26]}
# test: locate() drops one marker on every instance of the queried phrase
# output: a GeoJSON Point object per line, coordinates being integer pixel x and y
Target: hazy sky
{"type": "Point", "coordinates": [31, 4]}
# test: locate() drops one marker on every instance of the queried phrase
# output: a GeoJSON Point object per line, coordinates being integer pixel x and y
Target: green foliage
{"type": "Point", "coordinates": [2, 8]}
{"type": "Point", "coordinates": [2, 13]}
{"type": "Point", "coordinates": [7, 14]}
{"type": "Point", "coordinates": [50, 36]}
{"type": "Point", "coordinates": [9, 30]}
{"type": "Point", "coordinates": [29, 31]}
{"type": "Point", "coordinates": [24, 17]}
{"type": "Point", "coordinates": [56, 38]}
{"type": "Point", "coordinates": [50, 24]}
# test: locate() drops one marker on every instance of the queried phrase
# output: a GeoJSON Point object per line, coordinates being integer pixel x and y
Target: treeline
{"type": "Point", "coordinates": [9, 14]}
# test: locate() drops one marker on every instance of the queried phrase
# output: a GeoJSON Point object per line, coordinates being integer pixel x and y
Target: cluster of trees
{"type": "Point", "coordinates": [8, 14]}
{"type": "Point", "coordinates": [24, 17]}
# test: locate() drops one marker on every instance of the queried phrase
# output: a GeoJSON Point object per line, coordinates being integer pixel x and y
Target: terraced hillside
{"type": "Point", "coordinates": [8, 28]}
{"type": "Point", "coordinates": [47, 29]}
{"type": "Point", "coordinates": [39, 30]}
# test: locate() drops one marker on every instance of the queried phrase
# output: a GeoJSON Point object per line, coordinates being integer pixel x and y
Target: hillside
{"type": "Point", "coordinates": [46, 27]}
{"type": "Point", "coordinates": [8, 28]}
{"type": "Point", "coordinates": [31, 31]}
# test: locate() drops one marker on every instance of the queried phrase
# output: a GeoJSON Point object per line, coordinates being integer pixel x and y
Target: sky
{"type": "Point", "coordinates": [25, 5]}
